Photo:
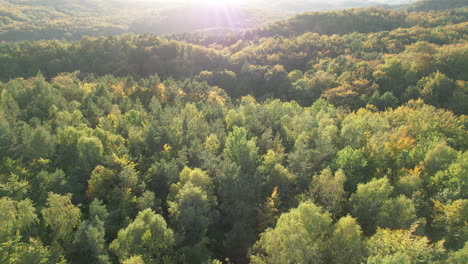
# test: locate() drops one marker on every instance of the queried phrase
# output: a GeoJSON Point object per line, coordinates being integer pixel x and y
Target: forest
{"type": "Point", "coordinates": [74, 19]}
{"type": "Point", "coordinates": [327, 137]}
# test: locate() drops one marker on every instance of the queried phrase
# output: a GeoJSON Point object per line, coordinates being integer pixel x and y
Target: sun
{"type": "Point", "coordinates": [220, 2]}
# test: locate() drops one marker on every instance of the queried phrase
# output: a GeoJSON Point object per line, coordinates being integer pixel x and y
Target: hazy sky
{"type": "Point", "coordinates": [291, 1]}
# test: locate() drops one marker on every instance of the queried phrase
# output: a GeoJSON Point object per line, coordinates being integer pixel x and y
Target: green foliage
{"type": "Point", "coordinates": [191, 215]}
{"type": "Point", "coordinates": [90, 151]}
{"type": "Point", "coordinates": [368, 201]}
{"type": "Point", "coordinates": [147, 236]}
{"type": "Point", "coordinates": [229, 150]}
{"type": "Point", "coordinates": [437, 88]}
{"type": "Point", "coordinates": [14, 251]}
{"type": "Point", "coordinates": [397, 213]}
{"type": "Point", "coordinates": [452, 218]}
{"type": "Point", "coordinates": [252, 172]}
{"type": "Point", "coordinates": [61, 216]}
{"type": "Point", "coordinates": [426, 5]}
{"type": "Point", "coordinates": [346, 243]}
{"type": "Point", "coordinates": [327, 190]}
{"type": "Point", "coordinates": [460, 256]}
{"type": "Point", "coordinates": [394, 246]}
{"type": "Point", "coordinates": [452, 183]}
{"type": "Point", "coordinates": [90, 240]}
{"type": "Point", "coordinates": [17, 217]}
{"type": "Point", "coordinates": [354, 164]}
{"type": "Point", "coordinates": [299, 235]}
{"type": "Point", "coordinates": [242, 151]}
{"type": "Point", "coordinates": [439, 158]}
{"type": "Point", "coordinates": [41, 144]}
{"type": "Point", "coordinates": [46, 182]}
{"type": "Point", "coordinates": [191, 208]}
{"type": "Point", "coordinates": [134, 260]}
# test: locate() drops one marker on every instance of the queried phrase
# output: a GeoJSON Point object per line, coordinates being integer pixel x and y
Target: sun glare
{"type": "Point", "coordinates": [218, 2]}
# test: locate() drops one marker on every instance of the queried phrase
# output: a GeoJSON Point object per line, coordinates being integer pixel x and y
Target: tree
{"type": "Point", "coordinates": [452, 183]}
{"type": "Point", "coordinates": [299, 236]}
{"type": "Point", "coordinates": [391, 76]}
{"type": "Point", "coordinates": [394, 246]}
{"type": "Point", "coordinates": [367, 201]}
{"type": "Point", "coordinates": [89, 241]}
{"type": "Point", "coordinates": [277, 81]}
{"type": "Point", "coordinates": [439, 158]}
{"type": "Point", "coordinates": [101, 183]}
{"type": "Point", "coordinates": [436, 89]}
{"type": "Point", "coordinates": [452, 219]}
{"type": "Point", "coordinates": [327, 190]}
{"type": "Point", "coordinates": [353, 163]}
{"type": "Point", "coordinates": [148, 200]}
{"type": "Point", "coordinates": [212, 144]}
{"type": "Point", "coordinates": [14, 251]}
{"type": "Point", "coordinates": [133, 260]}
{"type": "Point", "coordinates": [239, 196]}
{"type": "Point", "coordinates": [18, 217]}
{"type": "Point", "coordinates": [14, 186]}
{"type": "Point", "coordinates": [460, 256]}
{"type": "Point", "coordinates": [198, 178]}
{"type": "Point", "coordinates": [7, 136]}
{"type": "Point", "coordinates": [269, 213]}
{"type": "Point", "coordinates": [397, 213]}
{"type": "Point", "coordinates": [147, 236]}
{"type": "Point", "coordinates": [279, 177]}
{"type": "Point", "coordinates": [191, 214]}
{"type": "Point", "coordinates": [61, 217]}
{"type": "Point", "coordinates": [459, 97]}
{"type": "Point", "coordinates": [46, 182]}
{"type": "Point", "coordinates": [346, 243]}
{"type": "Point", "coordinates": [41, 144]}
{"type": "Point", "coordinates": [90, 151]}
{"type": "Point", "coordinates": [242, 151]}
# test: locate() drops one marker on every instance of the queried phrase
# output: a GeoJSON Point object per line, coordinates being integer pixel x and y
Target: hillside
{"type": "Point", "coordinates": [428, 5]}
{"type": "Point", "coordinates": [71, 20]}
{"type": "Point", "coordinates": [34, 20]}
{"type": "Point", "coordinates": [188, 18]}
{"type": "Point", "coordinates": [317, 5]}
{"type": "Point", "coordinates": [362, 20]}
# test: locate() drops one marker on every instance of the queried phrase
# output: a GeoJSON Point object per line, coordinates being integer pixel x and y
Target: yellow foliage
{"type": "Point", "coordinates": [215, 98]}
{"type": "Point", "coordinates": [123, 161]}
{"type": "Point", "coordinates": [87, 88]}
{"type": "Point", "coordinates": [118, 89]}
{"type": "Point", "coordinates": [167, 148]}
{"type": "Point", "coordinates": [400, 141]}
{"type": "Point", "coordinates": [113, 120]}
{"type": "Point", "coordinates": [161, 90]}
{"type": "Point", "coordinates": [43, 161]}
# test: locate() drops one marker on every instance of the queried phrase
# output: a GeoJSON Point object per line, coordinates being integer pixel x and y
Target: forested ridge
{"type": "Point", "coordinates": [74, 19]}
{"type": "Point", "coordinates": [329, 137]}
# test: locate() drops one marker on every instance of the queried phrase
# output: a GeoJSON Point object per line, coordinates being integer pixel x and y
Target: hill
{"type": "Point", "coordinates": [188, 18]}
{"type": "Point", "coordinates": [427, 5]}
{"type": "Point", "coordinates": [71, 20]}
{"type": "Point", "coordinates": [363, 20]}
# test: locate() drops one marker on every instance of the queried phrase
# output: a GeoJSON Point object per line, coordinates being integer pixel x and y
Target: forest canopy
{"type": "Point", "coordinates": [328, 137]}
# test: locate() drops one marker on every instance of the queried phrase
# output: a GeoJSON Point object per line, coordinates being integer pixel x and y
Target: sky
{"type": "Point", "coordinates": [291, 1]}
